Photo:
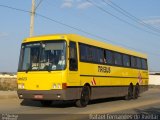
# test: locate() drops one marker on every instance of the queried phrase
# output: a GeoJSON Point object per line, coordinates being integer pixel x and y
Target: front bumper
{"type": "Point", "coordinates": [66, 94]}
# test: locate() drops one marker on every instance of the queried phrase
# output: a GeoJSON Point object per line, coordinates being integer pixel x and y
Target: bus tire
{"type": "Point", "coordinates": [46, 103]}
{"type": "Point", "coordinates": [85, 97]}
{"type": "Point", "coordinates": [136, 92]}
{"type": "Point", "coordinates": [130, 92]}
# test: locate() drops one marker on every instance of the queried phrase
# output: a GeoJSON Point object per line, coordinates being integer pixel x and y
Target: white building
{"type": "Point", "coordinates": [7, 76]}
{"type": "Point", "coordinates": [154, 79]}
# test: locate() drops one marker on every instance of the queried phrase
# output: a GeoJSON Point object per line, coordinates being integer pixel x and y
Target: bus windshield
{"type": "Point", "coordinates": [43, 56]}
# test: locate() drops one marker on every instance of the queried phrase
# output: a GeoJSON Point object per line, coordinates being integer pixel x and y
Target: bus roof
{"type": "Point", "coordinates": [81, 39]}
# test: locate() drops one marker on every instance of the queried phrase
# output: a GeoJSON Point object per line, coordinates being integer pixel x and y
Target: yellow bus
{"type": "Point", "coordinates": [72, 67]}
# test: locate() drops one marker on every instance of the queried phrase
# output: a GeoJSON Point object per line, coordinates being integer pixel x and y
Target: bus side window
{"type": "Point", "coordinates": [144, 64]}
{"type": "Point", "coordinates": [90, 54]}
{"type": "Point", "coordinates": [133, 62]}
{"type": "Point", "coordinates": [100, 55]}
{"type": "Point", "coordinates": [117, 58]}
{"type": "Point", "coordinates": [83, 52]}
{"type": "Point", "coordinates": [126, 60]}
{"type": "Point", "coordinates": [109, 57]}
{"type": "Point", "coordinates": [73, 63]}
{"type": "Point", "coordinates": [139, 63]}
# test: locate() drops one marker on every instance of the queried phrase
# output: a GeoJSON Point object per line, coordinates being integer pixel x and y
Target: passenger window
{"type": "Point", "coordinates": [117, 58]}
{"type": "Point", "coordinates": [133, 62]}
{"type": "Point", "coordinates": [100, 55]}
{"type": "Point", "coordinates": [139, 64]}
{"type": "Point", "coordinates": [90, 54]}
{"type": "Point", "coordinates": [109, 57]}
{"type": "Point", "coordinates": [73, 63]}
{"type": "Point", "coordinates": [126, 60]}
{"type": "Point", "coordinates": [144, 64]}
{"type": "Point", "coordinates": [95, 58]}
{"type": "Point", "coordinates": [83, 52]}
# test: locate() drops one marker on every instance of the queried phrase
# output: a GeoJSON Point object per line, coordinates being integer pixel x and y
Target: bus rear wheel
{"type": "Point", "coordinates": [136, 92]}
{"type": "Point", "coordinates": [46, 103]}
{"type": "Point", "coordinates": [85, 97]}
{"type": "Point", "coordinates": [130, 93]}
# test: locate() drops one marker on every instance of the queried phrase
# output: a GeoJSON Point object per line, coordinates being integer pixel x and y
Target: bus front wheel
{"type": "Point", "coordinates": [85, 97]}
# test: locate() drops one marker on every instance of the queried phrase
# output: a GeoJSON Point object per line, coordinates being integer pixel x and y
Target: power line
{"type": "Point", "coordinates": [13, 8]}
{"type": "Point", "coordinates": [122, 20]}
{"type": "Point", "coordinates": [127, 14]}
{"type": "Point", "coordinates": [90, 33]}
{"type": "Point", "coordinates": [38, 4]}
{"type": "Point", "coordinates": [75, 28]}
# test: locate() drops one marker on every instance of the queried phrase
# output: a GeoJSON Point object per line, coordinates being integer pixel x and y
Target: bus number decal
{"type": "Point", "coordinates": [22, 78]}
{"type": "Point", "coordinates": [104, 69]}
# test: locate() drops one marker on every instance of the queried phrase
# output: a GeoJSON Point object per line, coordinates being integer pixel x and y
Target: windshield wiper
{"type": "Point", "coordinates": [28, 69]}
{"type": "Point", "coordinates": [49, 68]}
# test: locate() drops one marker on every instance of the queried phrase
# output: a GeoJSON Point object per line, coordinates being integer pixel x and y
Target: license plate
{"type": "Point", "coordinates": [38, 96]}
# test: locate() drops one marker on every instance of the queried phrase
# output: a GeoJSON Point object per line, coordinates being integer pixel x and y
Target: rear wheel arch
{"type": "Point", "coordinates": [87, 84]}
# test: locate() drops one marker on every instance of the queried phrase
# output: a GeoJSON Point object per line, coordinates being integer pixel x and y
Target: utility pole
{"type": "Point", "coordinates": [32, 18]}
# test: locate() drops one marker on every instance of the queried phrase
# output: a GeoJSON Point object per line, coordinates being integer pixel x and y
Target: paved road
{"type": "Point", "coordinates": [148, 102]}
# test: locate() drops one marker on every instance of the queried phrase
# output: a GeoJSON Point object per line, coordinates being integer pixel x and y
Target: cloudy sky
{"type": "Point", "coordinates": [134, 24]}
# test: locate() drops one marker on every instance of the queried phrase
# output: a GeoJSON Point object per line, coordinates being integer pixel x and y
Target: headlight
{"type": "Point", "coordinates": [21, 86]}
{"type": "Point", "coordinates": [58, 86]}
{"type": "Point", "coordinates": [54, 86]}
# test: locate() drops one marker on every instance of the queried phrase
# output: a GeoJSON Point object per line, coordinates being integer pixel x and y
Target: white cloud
{"type": "Point", "coordinates": [84, 5]}
{"type": "Point", "coordinates": [153, 21]}
{"type": "Point", "coordinates": [67, 4]}
{"type": "Point", "coordinates": [79, 4]}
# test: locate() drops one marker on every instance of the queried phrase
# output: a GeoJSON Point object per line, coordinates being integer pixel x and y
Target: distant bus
{"type": "Point", "coordinates": [72, 67]}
